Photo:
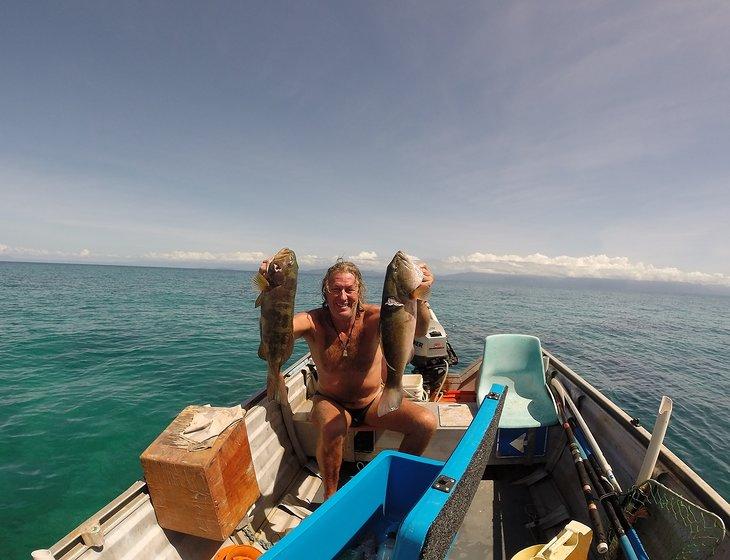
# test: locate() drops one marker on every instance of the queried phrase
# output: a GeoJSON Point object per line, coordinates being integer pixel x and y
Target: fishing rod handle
{"type": "Point", "coordinates": [593, 513]}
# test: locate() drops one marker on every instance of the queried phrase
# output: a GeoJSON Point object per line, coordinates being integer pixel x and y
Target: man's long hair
{"type": "Point", "coordinates": [343, 266]}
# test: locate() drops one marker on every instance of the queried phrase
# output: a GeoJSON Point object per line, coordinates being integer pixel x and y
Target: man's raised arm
{"type": "Point", "coordinates": [303, 325]}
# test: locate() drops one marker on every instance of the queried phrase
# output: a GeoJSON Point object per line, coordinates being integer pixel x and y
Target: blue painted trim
{"type": "Point", "coordinates": [412, 534]}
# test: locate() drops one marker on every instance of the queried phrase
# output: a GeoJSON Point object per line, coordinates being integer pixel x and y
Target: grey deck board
{"type": "Point", "coordinates": [494, 526]}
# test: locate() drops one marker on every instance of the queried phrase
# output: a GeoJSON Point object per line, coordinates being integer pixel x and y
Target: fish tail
{"type": "Point", "coordinates": [390, 400]}
{"type": "Point", "coordinates": [274, 380]}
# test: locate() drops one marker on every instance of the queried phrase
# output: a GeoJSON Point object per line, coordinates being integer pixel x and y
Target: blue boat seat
{"type": "Point", "coordinates": [428, 499]}
{"type": "Point", "coordinates": [515, 361]}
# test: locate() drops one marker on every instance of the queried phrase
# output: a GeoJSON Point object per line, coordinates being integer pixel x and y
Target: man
{"type": "Point", "coordinates": [343, 338]}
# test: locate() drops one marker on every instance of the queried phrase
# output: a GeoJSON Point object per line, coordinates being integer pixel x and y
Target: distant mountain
{"type": "Point", "coordinates": [609, 284]}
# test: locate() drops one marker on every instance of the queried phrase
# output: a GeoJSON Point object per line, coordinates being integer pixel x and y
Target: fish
{"type": "Point", "coordinates": [278, 287]}
{"type": "Point", "coordinates": [401, 289]}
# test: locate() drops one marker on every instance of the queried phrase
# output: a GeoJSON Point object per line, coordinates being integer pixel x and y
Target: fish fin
{"type": "Point", "coordinates": [263, 350]}
{"type": "Point", "coordinates": [259, 300]}
{"type": "Point", "coordinates": [422, 292]}
{"type": "Point", "coordinates": [390, 400]}
{"type": "Point", "coordinates": [260, 282]}
{"type": "Point", "coordinates": [392, 302]}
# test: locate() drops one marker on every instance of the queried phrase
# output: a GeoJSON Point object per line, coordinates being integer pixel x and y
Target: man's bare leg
{"type": "Point", "coordinates": [416, 423]}
{"type": "Point", "coordinates": [331, 422]}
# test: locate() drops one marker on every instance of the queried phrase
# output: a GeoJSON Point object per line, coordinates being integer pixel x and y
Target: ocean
{"type": "Point", "coordinates": [95, 361]}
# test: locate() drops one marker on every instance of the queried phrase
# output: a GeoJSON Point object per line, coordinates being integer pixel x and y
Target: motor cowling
{"type": "Point", "coordinates": [433, 355]}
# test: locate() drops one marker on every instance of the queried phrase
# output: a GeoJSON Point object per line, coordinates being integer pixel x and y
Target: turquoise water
{"type": "Point", "coordinates": [96, 360]}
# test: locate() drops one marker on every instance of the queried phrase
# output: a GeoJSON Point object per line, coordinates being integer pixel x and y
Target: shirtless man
{"type": "Point", "coordinates": [343, 338]}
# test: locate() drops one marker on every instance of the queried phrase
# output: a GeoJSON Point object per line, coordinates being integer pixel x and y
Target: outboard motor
{"type": "Point", "coordinates": [432, 356]}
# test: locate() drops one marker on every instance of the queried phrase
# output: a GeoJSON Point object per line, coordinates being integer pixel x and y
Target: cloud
{"type": "Point", "coordinates": [309, 260]}
{"type": "Point", "coordinates": [537, 264]}
{"type": "Point", "coordinates": [207, 256]}
{"type": "Point", "coordinates": [591, 266]}
{"type": "Point", "coordinates": [43, 254]}
{"type": "Point", "coordinates": [365, 257]}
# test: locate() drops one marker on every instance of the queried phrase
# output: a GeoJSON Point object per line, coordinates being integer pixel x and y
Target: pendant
{"type": "Point", "coordinates": [344, 353]}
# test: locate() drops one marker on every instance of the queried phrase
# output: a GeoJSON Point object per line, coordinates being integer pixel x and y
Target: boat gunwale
{"type": "Point", "coordinates": [106, 517]}
{"type": "Point", "coordinates": [678, 468]}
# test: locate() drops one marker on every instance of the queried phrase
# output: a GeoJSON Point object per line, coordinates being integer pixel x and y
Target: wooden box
{"type": "Point", "coordinates": [204, 493]}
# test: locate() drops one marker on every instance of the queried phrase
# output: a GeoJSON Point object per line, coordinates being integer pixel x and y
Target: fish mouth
{"type": "Point", "coordinates": [282, 259]}
{"type": "Point", "coordinates": [406, 270]}
{"type": "Point", "coordinates": [284, 253]}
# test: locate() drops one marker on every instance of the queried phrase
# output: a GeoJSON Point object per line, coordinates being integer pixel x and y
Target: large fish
{"type": "Point", "coordinates": [401, 289]}
{"type": "Point", "coordinates": [278, 287]}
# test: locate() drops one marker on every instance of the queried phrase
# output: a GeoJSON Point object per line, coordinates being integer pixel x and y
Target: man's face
{"type": "Point", "coordinates": [342, 295]}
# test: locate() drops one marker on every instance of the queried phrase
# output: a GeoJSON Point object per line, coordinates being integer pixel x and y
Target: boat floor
{"type": "Point", "coordinates": [501, 520]}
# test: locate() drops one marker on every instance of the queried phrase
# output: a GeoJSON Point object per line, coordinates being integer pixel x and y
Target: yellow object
{"type": "Point", "coordinates": [572, 543]}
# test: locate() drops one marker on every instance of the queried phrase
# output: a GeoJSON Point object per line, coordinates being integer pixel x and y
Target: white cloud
{"type": "Point", "coordinates": [309, 260]}
{"type": "Point", "coordinates": [537, 264]}
{"type": "Point", "coordinates": [44, 254]}
{"type": "Point", "coordinates": [207, 256]}
{"type": "Point", "coordinates": [364, 257]}
{"type": "Point", "coordinates": [591, 266]}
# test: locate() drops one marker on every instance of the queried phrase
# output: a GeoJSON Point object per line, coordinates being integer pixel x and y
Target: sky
{"type": "Point", "coordinates": [586, 139]}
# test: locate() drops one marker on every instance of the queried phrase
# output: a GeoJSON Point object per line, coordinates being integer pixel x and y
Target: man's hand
{"type": "Point", "coordinates": [423, 291]}
{"type": "Point", "coordinates": [427, 275]}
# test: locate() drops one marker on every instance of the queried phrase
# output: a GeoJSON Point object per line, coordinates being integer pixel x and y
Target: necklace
{"type": "Point", "coordinates": [349, 335]}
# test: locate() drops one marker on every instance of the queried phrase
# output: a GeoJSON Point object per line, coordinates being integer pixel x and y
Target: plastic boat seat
{"type": "Point", "coordinates": [515, 361]}
{"type": "Point", "coordinates": [429, 497]}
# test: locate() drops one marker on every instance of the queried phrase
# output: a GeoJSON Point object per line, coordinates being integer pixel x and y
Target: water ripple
{"type": "Point", "coordinates": [96, 361]}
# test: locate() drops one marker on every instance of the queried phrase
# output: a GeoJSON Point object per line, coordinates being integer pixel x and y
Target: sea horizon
{"type": "Point", "coordinates": [619, 284]}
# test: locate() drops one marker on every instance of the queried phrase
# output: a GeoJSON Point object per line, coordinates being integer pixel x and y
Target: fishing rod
{"type": "Point", "coordinates": [609, 501]}
{"type": "Point", "coordinates": [604, 466]}
{"type": "Point", "coordinates": [593, 514]}
{"type": "Point", "coordinates": [607, 489]}
{"type": "Point", "coordinates": [565, 398]}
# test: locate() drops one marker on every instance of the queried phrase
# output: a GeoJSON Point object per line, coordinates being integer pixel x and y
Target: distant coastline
{"type": "Point", "coordinates": [538, 281]}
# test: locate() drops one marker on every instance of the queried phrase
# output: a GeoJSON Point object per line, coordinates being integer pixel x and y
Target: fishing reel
{"type": "Point", "coordinates": [433, 355]}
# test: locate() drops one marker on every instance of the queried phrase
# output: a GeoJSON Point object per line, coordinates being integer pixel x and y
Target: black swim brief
{"type": "Point", "coordinates": [357, 414]}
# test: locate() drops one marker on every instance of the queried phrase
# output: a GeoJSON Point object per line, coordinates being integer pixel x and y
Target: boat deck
{"type": "Point", "coordinates": [483, 533]}
{"type": "Point", "coordinates": [518, 502]}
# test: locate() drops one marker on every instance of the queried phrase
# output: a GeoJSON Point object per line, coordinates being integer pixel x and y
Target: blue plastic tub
{"type": "Point", "coordinates": [378, 497]}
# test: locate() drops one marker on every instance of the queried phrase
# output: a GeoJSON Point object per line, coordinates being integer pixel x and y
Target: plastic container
{"type": "Point", "coordinates": [572, 543]}
{"type": "Point", "coordinates": [413, 386]}
{"type": "Point", "coordinates": [238, 552]}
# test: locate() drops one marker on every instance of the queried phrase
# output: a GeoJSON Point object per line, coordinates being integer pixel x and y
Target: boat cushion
{"type": "Point", "coordinates": [515, 361]}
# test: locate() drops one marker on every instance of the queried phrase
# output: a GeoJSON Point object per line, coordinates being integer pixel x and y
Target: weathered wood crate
{"type": "Point", "coordinates": [204, 493]}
